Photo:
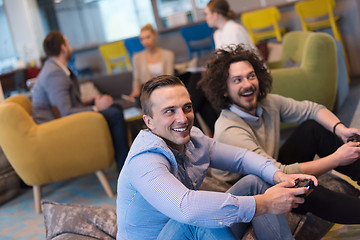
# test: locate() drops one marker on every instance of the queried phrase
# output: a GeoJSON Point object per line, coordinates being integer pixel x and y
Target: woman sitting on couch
{"type": "Point", "coordinates": [151, 62]}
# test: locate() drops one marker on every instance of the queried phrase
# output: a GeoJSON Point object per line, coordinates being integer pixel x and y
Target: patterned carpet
{"type": "Point", "coordinates": [18, 219]}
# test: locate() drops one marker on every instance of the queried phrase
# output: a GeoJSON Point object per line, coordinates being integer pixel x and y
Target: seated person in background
{"type": "Point", "coordinates": [158, 196]}
{"type": "Point", "coordinates": [151, 62]}
{"type": "Point", "coordinates": [56, 93]}
{"type": "Point", "coordinates": [218, 14]}
{"type": "Point", "coordinates": [238, 82]}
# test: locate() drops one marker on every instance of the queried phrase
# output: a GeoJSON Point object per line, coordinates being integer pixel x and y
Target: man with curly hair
{"type": "Point", "coordinates": [238, 83]}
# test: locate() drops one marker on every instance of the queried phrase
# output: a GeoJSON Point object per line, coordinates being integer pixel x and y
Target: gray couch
{"type": "Point", "coordinates": [115, 85]}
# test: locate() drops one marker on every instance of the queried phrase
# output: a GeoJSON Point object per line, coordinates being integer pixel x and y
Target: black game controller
{"type": "Point", "coordinates": [355, 138]}
{"type": "Point", "coordinates": [308, 183]}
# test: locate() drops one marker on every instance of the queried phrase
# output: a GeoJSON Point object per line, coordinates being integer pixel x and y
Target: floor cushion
{"type": "Point", "coordinates": [72, 221]}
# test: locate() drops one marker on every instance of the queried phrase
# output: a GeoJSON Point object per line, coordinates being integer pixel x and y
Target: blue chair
{"type": "Point", "coordinates": [198, 38]}
{"type": "Point", "coordinates": [133, 45]}
{"type": "Point", "coordinates": [86, 71]}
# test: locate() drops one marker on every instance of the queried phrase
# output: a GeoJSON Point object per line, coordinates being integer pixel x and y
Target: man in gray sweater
{"type": "Point", "coordinates": [238, 83]}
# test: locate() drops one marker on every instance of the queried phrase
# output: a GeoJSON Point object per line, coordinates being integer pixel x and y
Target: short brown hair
{"type": "Point", "coordinates": [214, 79]}
{"type": "Point", "coordinates": [151, 85]}
{"type": "Point", "coordinates": [52, 43]}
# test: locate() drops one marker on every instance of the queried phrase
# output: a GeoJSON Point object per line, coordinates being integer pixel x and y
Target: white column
{"type": "Point", "coordinates": [26, 29]}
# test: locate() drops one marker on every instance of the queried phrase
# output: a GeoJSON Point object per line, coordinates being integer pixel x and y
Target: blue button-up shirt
{"type": "Point", "coordinates": [157, 183]}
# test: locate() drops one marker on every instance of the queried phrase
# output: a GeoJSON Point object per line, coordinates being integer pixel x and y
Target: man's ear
{"type": "Point", "coordinates": [148, 121]}
{"type": "Point", "coordinates": [63, 48]}
{"type": "Point", "coordinates": [226, 94]}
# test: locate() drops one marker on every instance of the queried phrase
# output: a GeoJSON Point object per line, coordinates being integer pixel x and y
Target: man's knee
{"type": "Point", "coordinates": [113, 114]}
{"type": "Point", "coordinates": [248, 186]}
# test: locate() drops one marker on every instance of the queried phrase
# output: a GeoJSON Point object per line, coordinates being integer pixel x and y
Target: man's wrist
{"type": "Point", "coordinates": [260, 207]}
{"type": "Point", "coordinates": [277, 177]}
{"type": "Point", "coordinates": [335, 126]}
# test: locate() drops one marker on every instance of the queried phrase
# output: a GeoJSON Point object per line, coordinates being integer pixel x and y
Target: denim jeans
{"type": "Point", "coordinates": [265, 226]}
{"type": "Point", "coordinates": [115, 119]}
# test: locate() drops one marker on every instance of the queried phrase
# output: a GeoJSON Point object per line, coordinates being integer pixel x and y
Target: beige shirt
{"type": "Point", "coordinates": [262, 134]}
{"type": "Point", "coordinates": [141, 72]}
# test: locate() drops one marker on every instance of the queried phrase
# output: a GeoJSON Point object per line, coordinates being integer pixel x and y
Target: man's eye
{"type": "Point", "coordinates": [252, 76]}
{"type": "Point", "coordinates": [169, 111]}
{"type": "Point", "coordinates": [188, 108]}
{"type": "Point", "coordinates": [236, 80]}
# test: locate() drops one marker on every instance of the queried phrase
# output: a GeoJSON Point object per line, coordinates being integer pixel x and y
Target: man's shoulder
{"type": "Point", "coordinates": [147, 142]}
{"type": "Point", "coordinates": [226, 115]}
{"type": "Point", "coordinates": [50, 68]}
{"type": "Point", "coordinates": [228, 119]}
{"type": "Point", "coordinates": [272, 100]}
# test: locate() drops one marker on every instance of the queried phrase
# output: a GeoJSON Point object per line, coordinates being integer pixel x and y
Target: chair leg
{"type": "Point", "coordinates": [37, 198]}
{"type": "Point", "coordinates": [105, 183]}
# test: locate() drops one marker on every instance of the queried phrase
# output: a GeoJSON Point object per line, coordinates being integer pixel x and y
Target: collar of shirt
{"type": "Point", "coordinates": [246, 115]}
{"type": "Point", "coordinates": [64, 68]}
{"type": "Point", "coordinates": [179, 156]}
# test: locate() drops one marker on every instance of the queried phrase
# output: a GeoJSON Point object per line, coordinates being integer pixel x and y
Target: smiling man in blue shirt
{"type": "Point", "coordinates": [158, 196]}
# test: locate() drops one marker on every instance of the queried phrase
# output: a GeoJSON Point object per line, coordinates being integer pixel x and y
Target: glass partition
{"type": "Point", "coordinates": [92, 22]}
{"type": "Point", "coordinates": [8, 54]}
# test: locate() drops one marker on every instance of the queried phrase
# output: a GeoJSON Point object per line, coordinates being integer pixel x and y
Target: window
{"type": "Point", "coordinates": [174, 12]}
{"type": "Point", "coordinates": [87, 22]}
{"type": "Point", "coordinates": [7, 51]}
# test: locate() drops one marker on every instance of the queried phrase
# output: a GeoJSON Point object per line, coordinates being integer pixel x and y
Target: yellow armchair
{"type": "Point", "coordinates": [313, 74]}
{"type": "Point", "coordinates": [57, 150]}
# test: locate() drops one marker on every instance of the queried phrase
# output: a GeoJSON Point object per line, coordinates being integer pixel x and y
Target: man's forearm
{"type": "Point", "coordinates": [327, 119]}
{"type": "Point", "coordinates": [319, 166]}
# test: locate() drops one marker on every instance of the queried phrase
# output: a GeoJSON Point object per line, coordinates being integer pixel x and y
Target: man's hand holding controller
{"type": "Point", "coordinates": [283, 196]}
{"type": "Point", "coordinates": [306, 183]}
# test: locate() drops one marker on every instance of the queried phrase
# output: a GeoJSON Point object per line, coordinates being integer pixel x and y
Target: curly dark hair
{"type": "Point", "coordinates": [213, 81]}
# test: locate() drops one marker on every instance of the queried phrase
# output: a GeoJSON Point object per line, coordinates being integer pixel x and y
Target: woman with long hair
{"type": "Point", "coordinates": [218, 14]}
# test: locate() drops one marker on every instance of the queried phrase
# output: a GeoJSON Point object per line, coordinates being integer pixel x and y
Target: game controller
{"type": "Point", "coordinates": [355, 138]}
{"type": "Point", "coordinates": [308, 183]}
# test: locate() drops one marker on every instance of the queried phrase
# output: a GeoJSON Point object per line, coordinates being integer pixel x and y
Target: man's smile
{"type": "Point", "coordinates": [183, 129]}
{"type": "Point", "coordinates": [248, 93]}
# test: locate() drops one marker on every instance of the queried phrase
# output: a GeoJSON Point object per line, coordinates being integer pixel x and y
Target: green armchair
{"type": "Point", "coordinates": [307, 69]}
{"type": "Point", "coordinates": [57, 150]}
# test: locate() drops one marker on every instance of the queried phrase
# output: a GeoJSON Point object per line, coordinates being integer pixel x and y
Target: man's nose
{"type": "Point", "coordinates": [181, 116]}
{"type": "Point", "coordinates": [246, 82]}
